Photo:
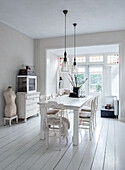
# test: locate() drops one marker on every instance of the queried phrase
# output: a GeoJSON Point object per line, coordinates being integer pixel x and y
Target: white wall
{"type": "Point", "coordinates": [114, 37]}
{"type": "Point", "coordinates": [15, 49]}
{"type": "Point", "coordinates": [51, 73]}
{"type": "Point", "coordinates": [115, 80]}
{"type": "Point", "coordinates": [107, 81]}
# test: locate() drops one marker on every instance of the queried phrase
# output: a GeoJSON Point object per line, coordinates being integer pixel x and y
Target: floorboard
{"type": "Point", "coordinates": [109, 161]}
{"type": "Point", "coordinates": [22, 149]}
{"type": "Point", "coordinates": [100, 148]}
{"type": "Point", "coordinates": [120, 145]}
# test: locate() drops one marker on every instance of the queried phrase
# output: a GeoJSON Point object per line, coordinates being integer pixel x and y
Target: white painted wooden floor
{"type": "Point", "coordinates": [22, 149]}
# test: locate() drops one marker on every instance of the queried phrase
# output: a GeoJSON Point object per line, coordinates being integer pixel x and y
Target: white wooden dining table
{"type": "Point", "coordinates": [70, 103]}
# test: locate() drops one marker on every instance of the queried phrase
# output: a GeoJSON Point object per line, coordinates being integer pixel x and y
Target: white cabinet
{"type": "Point", "coordinates": [27, 104]}
{"type": "Point", "coordinates": [26, 84]}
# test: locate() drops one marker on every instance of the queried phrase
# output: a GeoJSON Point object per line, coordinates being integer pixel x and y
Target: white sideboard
{"type": "Point", "coordinates": [27, 104]}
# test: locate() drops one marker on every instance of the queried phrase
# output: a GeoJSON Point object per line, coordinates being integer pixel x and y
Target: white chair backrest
{"type": "Point", "coordinates": [45, 97]}
{"type": "Point", "coordinates": [96, 102]}
{"type": "Point", "coordinates": [55, 105]}
{"type": "Point", "coordinates": [93, 105]}
{"type": "Point", "coordinates": [42, 98]}
{"type": "Point", "coordinates": [48, 97]}
{"type": "Point", "coordinates": [54, 96]}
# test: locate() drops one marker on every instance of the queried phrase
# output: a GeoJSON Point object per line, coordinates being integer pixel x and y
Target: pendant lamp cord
{"type": "Point", "coordinates": [65, 32]}
{"type": "Point", "coordinates": [65, 54]}
{"type": "Point", "coordinates": [74, 43]}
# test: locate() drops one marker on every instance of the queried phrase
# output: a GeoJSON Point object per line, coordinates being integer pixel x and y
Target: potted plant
{"type": "Point", "coordinates": [76, 88]}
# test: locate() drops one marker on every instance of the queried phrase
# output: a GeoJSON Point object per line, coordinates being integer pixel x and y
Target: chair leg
{"type": "Point", "coordinates": [66, 140]}
{"type": "Point", "coordinates": [47, 138]}
{"type": "Point", "coordinates": [95, 119]}
{"type": "Point", "coordinates": [90, 131]}
{"type": "Point", "coordinates": [67, 114]}
{"type": "Point", "coordinates": [63, 113]}
{"type": "Point", "coordinates": [66, 133]}
{"type": "Point", "coordinates": [60, 138]}
{"type": "Point", "coordinates": [54, 131]}
{"type": "Point", "coordinates": [93, 124]}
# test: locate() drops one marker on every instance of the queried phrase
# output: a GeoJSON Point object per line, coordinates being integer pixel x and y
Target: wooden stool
{"type": "Point", "coordinates": [10, 118]}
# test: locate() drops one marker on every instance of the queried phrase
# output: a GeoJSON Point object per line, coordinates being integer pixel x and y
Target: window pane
{"type": "Point", "coordinates": [96, 59]}
{"type": "Point", "coordinates": [81, 69]}
{"type": "Point", "coordinates": [95, 78]}
{"type": "Point", "coordinates": [81, 59]}
{"type": "Point", "coordinates": [95, 82]}
{"type": "Point", "coordinates": [95, 69]}
{"type": "Point", "coordinates": [80, 78]}
{"type": "Point", "coordinates": [113, 59]}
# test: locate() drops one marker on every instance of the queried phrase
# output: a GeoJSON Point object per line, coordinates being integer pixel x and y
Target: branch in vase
{"type": "Point", "coordinates": [76, 80]}
{"type": "Point", "coordinates": [72, 80]}
{"type": "Point", "coordinates": [83, 83]}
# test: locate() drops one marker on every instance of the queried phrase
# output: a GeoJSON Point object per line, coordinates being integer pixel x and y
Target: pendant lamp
{"type": "Point", "coordinates": [74, 66]}
{"type": "Point", "coordinates": [65, 66]}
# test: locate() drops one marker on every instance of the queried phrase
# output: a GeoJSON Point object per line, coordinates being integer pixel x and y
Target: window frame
{"type": "Point", "coordinates": [99, 62]}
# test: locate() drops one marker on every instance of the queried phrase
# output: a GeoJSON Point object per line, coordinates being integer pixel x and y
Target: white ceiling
{"type": "Point", "coordinates": [88, 50]}
{"type": "Point", "coordinates": [44, 18]}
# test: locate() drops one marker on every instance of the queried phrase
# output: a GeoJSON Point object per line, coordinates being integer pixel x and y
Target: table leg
{"type": "Point", "coordinates": [76, 127]}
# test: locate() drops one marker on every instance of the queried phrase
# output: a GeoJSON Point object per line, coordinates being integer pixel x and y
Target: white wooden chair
{"type": "Point", "coordinates": [54, 95]}
{"type": "Point", "coordinates": [42, 98]}
{"type": "Point", "coordinates": [54, 121]}
{"type": "Point", "coordinates": [88, 109]}
{"type": "Point", "coordinates": [86, 119]}
{"type": "Point", "coordinates": [65, 112]}
{"type": "Point", "coordinates": [96, 107]}
{"type": "Point", "coordinates": [45, 98]}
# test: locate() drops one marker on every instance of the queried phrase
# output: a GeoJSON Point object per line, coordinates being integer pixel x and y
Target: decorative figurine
{"type": "Point", "coordinates": [10, 108]}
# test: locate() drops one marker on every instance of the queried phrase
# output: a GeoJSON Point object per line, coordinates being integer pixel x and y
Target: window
{"type": "Point", "coordinates": [96, 79]}
{"type": "Point", "coordinates": [81, 59]}
{"type": "Point", "coordinates": [81, 69]}
{"type": "Point", "coordinates": [80, 76]}
{"type": "Point", "coordinates": [113, 59]}
{"type": "Point", "coordinates": [96, 59]}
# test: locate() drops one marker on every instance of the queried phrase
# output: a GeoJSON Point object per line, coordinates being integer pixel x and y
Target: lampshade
{"type": "Point", "coordinates": [65, 66]}
{"type": "Point", "coordinates": [74, 66]}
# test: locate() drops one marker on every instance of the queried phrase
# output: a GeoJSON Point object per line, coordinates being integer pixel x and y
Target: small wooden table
{"type": "Point", "coordinates": [10, 119]}
{"type": "Point", "coordinates": [70, 103]}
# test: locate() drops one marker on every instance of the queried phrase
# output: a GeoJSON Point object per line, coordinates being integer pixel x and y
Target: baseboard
{"type": "Point", "coordinates": [122, 119]}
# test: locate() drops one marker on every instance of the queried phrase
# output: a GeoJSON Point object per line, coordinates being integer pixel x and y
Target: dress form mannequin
{"type": "Point", "coordinates": [10, 108]}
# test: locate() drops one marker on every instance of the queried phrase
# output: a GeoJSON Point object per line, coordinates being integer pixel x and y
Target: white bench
{"type": "Point", "coordinates": [10, 119]}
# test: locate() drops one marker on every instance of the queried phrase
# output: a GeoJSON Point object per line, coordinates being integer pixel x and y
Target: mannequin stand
{"type": "Point", "coordinates": [10, 119]}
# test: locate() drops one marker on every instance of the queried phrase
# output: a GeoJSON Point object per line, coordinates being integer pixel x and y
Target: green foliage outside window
{"type": "Point", "coordinates": [80, 78]}
{"type": "Point", "coordinates": [96, 82]}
